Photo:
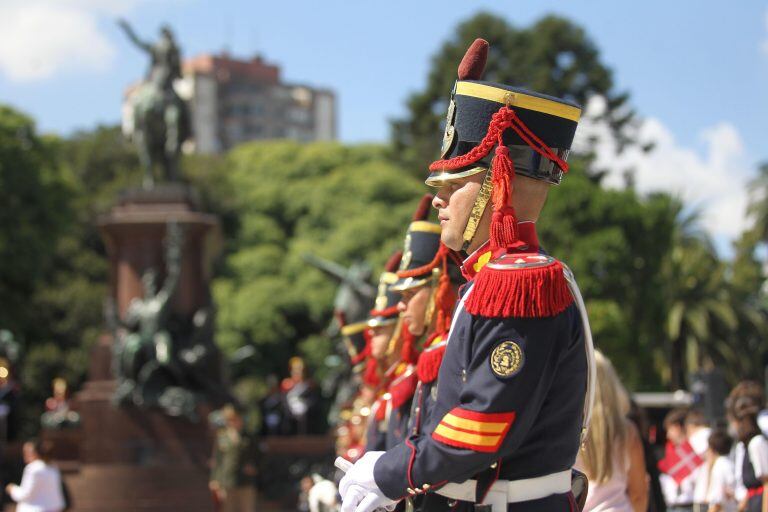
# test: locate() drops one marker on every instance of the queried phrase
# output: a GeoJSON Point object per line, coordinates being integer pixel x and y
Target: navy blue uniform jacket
{"type": "Point", "coordinates": [524, 425]}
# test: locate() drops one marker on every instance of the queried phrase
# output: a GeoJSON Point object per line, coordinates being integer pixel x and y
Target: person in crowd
{"type": "Point", "coordinates": [639, 418]}
{"type": "Point", "coordinates": [271, 408]}
{"type": "Point", "coordinates": [612, 456]}
{"type": "Point", "coordinates": [323, 495]}
{"type": "Point", "coordinates": [754, 470]}
{"type": "Point", "coordinates": [754, 391]}
{"type": "Point", "coordinates": [41, 488]}
{"type": "Point", "coordinates": [697, 431]}
{"type": "Point", "coordinates": [679, 464]}
{"type": "Point", "coordinates": [233, 471]}
{"type": "Point", "coordinates": [305, 485]}
{"type": "Point", "coordinates": [715, 487]}
{"type": "Point", "coordinates": [301, 399]}
{"type": "Point", "coordinates": [384, 323]}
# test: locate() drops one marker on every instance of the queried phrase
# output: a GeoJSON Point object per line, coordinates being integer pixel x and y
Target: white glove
{"type": "Point", "coordinates": [358, 489]}
{"type": "Point", "coordinates": [375, 500]}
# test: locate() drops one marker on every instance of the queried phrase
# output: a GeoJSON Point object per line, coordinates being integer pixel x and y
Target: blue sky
{"type": "Point", "coordinates": [697, 70]}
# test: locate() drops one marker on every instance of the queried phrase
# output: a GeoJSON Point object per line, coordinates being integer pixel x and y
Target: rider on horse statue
{"type": "Point", "coordinates": [161, 120]}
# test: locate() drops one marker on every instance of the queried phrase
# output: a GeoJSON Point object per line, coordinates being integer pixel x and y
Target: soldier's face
{"type": "Point", "coordinates": [380, 336]}
{"type": "Point", "coordinates": [413, 307]}
{"type": "Point", "coordinates": [453, 203]}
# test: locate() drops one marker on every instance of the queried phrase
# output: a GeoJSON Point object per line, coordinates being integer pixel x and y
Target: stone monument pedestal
{"type": "Point", "coordinates": [130, 459]}
{"type": "Point", "coordinates": [134, 232]}
{"type": "Point", "coordinates": [133, 460]}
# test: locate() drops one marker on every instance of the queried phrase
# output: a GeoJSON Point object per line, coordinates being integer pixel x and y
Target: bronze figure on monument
{"type": "Point", "coordinates": [161, 118]}
{"type": "Point", "coordinates": [144, 347]}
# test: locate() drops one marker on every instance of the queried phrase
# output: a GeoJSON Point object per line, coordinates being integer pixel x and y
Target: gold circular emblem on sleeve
{"type": "Point", "coordinates": [507, 359]}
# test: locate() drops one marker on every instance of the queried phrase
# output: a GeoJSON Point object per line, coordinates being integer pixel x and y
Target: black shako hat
{"type": "Point", "coordinates": [355, 340]}
{"type": "Point", "coordinates": [385, 310]}
{"type": "Point", "coordinates": [474, 102]}
{"type": "Point", "coordinates": [422, 250]}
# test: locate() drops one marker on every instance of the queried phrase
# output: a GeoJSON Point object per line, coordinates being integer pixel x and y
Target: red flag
{"type": "Point", "coordinates": [679, 461]}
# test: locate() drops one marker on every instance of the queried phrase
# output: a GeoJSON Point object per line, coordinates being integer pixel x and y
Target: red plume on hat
{"type": "Point", "coordinates": [422, 210]}
{"type": "Point", "coordinates": [393, 262]}
{"type": "Point", "coordinates": [504, 292]}
{"type": "Point", "coordinates": [473, 63]}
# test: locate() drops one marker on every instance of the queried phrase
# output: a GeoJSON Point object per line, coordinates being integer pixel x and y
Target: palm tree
{"type": "Point", "coordinates": [696, 295]}
{"type": "Point", "coordinates": [757, 209]}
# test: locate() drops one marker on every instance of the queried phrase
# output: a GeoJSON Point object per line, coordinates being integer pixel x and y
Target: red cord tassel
{"type": "Point", "coordinates": [503, 174]}
{"type": "Point", "coordinates": [503, 230]}
{"type": "Point", "coordinates": [519, 293]}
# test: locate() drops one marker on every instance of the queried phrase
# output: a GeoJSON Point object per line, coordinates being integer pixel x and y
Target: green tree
{"type": "Point", "coordinates": [698, 300]}
{"type": "Point", "coordinates": [757, 207]}
{"type": "Point", "coordinates": [68, 299]}
{"type": "Point", "coordinates": [337, 202]}
{"type": "Point", "coordinates": [33, 194]}
{"type": "Point", "coordinates": [34, 224]}
{"type": "Point", "coordinates": [553, 56]}
{"type": "Point", "coordinates": [614, 241]}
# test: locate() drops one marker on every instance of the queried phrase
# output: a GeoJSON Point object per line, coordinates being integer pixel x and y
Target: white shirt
{"type": "Point", "coordinates": [716, 486]}
{"type": "Point", "coordinates": [40, 489]}
{"type": "Point", "coordinates": [721, 485]}
{"type": "Point", "coordinates": [758, 455]}
{"type": "Point", "coordinates": [738, 455]}
{"type": "Point", "coordinates": [677, 494]}
{"type": "Point", "coordinates": [738, 461]}
{"type": "Point", "coordinates": [699, 441]}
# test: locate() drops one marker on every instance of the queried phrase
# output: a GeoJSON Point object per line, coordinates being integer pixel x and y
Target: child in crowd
{"type": "Point", "coordinates": [715, 485]}
{"type": "Point", "coordinates": [680, 464]}
{"type": "Point", "coordinates": [754, 471]}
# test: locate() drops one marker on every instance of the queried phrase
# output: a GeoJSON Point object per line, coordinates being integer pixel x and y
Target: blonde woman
{"type": "Point", "coordinates": [612, 456]}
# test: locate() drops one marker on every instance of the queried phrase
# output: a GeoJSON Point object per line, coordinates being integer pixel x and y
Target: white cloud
{"type": "Point", "coordinates": [713, 181]}
{"type": "Point", "coordinates": [40, 38]}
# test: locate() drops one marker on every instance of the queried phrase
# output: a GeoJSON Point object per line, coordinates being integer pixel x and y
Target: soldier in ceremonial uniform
{"type": "Point", "coordinates": [428, 281]}
{"type": "Point", "coordinates": [401, 385]}
{"type": "Point", "coordinates": [382, 324]}
{"type": "Point", "coordinates": [514, 387]}
{"type": "Point", "coordinates": [421, 247]}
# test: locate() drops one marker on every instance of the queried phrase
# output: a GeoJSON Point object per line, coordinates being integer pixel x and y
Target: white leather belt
{"type": "Point", "coordinates": [511, 491]}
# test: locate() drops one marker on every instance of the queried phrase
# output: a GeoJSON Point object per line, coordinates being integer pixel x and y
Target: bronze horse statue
{"type": "Point", "coordinates": [161, 117]}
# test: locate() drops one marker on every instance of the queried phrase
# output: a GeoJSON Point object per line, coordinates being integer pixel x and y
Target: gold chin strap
{"type": "Point", "coordinates": [394, 340]}
{"type": "Point", "coordinates": [430, 311]}
{"type": "Point", "coordinates": [481, 201]}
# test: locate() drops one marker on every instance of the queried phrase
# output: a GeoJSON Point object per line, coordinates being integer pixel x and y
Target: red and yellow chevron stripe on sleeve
{"type": "Point", "coordinates": [478, 431]}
